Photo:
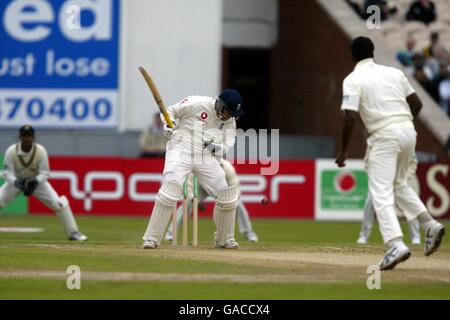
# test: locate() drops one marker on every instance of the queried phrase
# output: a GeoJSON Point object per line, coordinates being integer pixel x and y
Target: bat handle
{"type": "Point", "coordinates": [168, 120]}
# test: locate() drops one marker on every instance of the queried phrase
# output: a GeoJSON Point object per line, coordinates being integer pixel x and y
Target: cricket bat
{"type": "Point", "coordinates": [157, 97]}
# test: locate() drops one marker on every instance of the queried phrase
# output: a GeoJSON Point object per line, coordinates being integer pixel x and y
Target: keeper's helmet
{"type": "Point", "coordinates": [26, 130]}
{"type": "Point", "coordinates": [232, 101]}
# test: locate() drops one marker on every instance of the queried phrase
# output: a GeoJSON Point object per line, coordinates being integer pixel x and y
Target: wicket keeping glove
{"type": "Point", "coordinates": [20, 184]}
{"type": "Point", "coordinates": [30, 186]}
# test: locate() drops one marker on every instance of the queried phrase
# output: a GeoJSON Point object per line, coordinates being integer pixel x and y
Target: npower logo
{"type": "Point", "coordinates": [253, 186]}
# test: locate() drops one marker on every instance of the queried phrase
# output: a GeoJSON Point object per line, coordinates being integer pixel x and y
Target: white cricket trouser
{"type": "Point", "coordinates": [180, 163]}
{"type": "Point", "coordinates": [368, 219]}
{"type": "Point", "coordinates": [389, 153]}
{"type": "Point", "coordinates": [44, 192]}
{"type": "Point", "coordinates": [243, 219]}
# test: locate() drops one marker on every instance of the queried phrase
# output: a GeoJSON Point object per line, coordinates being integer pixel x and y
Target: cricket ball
{"type": "Point", "coordinates": [264, 201]}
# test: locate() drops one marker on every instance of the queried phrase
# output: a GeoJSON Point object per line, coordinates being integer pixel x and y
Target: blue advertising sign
{"type": "Point", "coordinates": [59, 63]}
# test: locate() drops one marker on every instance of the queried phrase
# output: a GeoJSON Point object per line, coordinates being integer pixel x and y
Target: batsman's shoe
{"type": "Point", "coordinates": [77, 236]}
{"type": "Point", "coordinates": [251, 236]}
{"type": "Point", "coordinates": [433, 238]}
{"type": "Point", "coordinates": [394, 255]}
{"type": "Point", "coordinates": [150, 244]}
{"type": "Point", "coordinates": [362, 240]}
{"type": "Point", "coordinates": [230, 244]}
{"type": "Point", "coordinates": [168, 236]}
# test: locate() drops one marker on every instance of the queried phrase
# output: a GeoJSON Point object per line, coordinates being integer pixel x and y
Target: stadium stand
{"type": "Point", "coordinates": [432, 118]}
{"type": "Point", "coordinates": [423, 49]}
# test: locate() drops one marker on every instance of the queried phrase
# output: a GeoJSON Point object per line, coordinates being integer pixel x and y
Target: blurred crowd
{"type": "Point", "coordinates": [430, 66]}
{"type": "Point", "coordinates": [419, 31]}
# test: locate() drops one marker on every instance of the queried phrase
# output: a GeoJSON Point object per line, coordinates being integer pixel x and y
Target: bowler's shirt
{"type": "Point", "coordinates": [378, 93]}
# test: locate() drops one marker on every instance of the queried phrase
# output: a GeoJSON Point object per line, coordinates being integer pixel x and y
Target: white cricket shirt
{"type": "Point", "coordinates": [197, 122]}
{"type": "Point", "coordinates": [26, 165]}
{"type": "Point", "coordinates": [378, 93]}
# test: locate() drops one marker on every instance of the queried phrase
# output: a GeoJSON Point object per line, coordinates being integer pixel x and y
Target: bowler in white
{"type": "Point", "coordinates": [387, 104]}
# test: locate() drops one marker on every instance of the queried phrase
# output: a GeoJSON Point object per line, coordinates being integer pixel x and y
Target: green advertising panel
{"type": "Point", "coordinates": [19, 206]}
{"type": "Point", "coordinates": [343, 190]}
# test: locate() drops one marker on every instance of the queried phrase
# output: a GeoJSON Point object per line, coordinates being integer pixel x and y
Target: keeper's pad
{"type": "Point", "coordinates": [65, 215]}
{"type": "Point", "coordinates": [166, 201]}
{"type": "Point", "coordinates": [244, 222]}
{"type": "Point", "coordinates": [225, 213]}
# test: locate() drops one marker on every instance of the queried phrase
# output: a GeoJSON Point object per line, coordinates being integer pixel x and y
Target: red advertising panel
{"type": "Point", "coordinates": [290, 192]}
{"type": "Point", "coordinates": [116, 186]}
{"type": "Point", "coordinates": [435, 188]}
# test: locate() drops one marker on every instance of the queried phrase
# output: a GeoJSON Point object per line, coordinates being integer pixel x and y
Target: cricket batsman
{"type": "Point", "coordinates": [242, 216]}
{"type": "Point", "coordinates": [388, 105]}
{"type": "Point", "coordinates": [26, 170]}
{"type": "Point", "coordinates": [369, 212]}
{"type": "Point", "coordinates": [205, 129]}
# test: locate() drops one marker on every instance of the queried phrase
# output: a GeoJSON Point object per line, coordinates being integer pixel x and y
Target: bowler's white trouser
{"type": "Point", "coordinates": [368, 219]}
{"type": "Point", "coordinates": [389, 153]}
{"type": "Point", "coordinates": [369, 211]}
{"type": "Point", "coordinates": [44, 192]}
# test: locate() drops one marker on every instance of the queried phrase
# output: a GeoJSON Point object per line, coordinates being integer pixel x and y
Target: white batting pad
{"type": "Point", "coordinates": [180, 216]}
{"type": "Point", "coordinates": [225, 213]}
{"type": "Point", "coordinates": [165, 203]}
{"type": "Point", "coordinates": [169, 193]}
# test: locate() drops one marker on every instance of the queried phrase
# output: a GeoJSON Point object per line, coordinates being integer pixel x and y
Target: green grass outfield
{"type": "Point", "coordinates": [293, 260]}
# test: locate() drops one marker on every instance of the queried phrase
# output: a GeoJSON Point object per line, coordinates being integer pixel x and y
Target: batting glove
{"type": "Point", "coordinates": [215, 148]}
{"type": "Point", "coordinates": [168, 130]}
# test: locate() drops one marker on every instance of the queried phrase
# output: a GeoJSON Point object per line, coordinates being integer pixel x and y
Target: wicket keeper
{"type": "Point", "coordinates": [26, 170]}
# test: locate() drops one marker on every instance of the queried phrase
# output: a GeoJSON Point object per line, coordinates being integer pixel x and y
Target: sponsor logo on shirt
{"type": "Point", "coordinates": [203, 116]}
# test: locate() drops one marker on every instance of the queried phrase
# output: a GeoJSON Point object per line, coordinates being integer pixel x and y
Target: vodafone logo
{"type": "Point", "coordinates": [203, 116]}
{"type": "Point", "coordinates": [345, 182]}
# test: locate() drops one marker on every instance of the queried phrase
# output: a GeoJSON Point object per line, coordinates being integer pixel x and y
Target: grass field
{"type": "Point", "coordinates": [293, 260]}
